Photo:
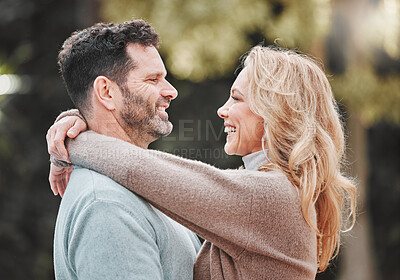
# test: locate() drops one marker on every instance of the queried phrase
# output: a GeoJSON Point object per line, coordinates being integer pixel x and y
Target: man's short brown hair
{"type": "Point", "coordinates": [100, 50]}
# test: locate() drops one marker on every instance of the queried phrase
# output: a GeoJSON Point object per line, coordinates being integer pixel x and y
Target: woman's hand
{"type": "Point", "coordinates": [69, 126]}
{"type": "Point", "coordinates": [58, 178]}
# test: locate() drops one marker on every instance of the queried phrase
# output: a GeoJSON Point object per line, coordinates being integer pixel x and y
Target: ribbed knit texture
{"type": "Point", "coordinates": [69, 113]}
{"type": "Point", "coordinates": [252, 220]}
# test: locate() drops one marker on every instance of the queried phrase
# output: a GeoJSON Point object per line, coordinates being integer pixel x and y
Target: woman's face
{"type": "Point", "coordinates": [245, 129]}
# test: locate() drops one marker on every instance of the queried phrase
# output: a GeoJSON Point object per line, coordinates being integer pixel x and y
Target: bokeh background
{"type": "Point", "coordinates": [358, 41]}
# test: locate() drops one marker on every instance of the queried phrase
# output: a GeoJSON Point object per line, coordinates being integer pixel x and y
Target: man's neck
{"type": "Point", "coordinates": [113, 129]}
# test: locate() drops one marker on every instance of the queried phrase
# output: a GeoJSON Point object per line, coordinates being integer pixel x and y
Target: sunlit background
{"type": "Point", "coordinates": [358, 41]}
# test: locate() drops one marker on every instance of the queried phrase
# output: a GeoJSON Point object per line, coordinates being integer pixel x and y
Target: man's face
{"type": "Point", "coordinates": [146, 95]}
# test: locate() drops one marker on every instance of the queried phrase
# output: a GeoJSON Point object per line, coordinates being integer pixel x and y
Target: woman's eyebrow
{"type": "Point", "coordinates": [237, 91]}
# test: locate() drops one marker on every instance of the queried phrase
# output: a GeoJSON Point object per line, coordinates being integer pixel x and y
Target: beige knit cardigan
{"type": "Point", "coordinates": [251, 220]}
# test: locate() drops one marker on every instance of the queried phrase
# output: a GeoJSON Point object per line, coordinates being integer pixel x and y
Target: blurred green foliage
{"type": "Point", "coordinates": [200, 39]}
{"type": "Point", "coordinates": [204, 39]}
{"type": "Point", "coordinates": [371, 96]}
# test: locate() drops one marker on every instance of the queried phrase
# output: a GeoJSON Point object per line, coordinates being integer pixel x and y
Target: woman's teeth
{"type": "Point", "coordinates": [230, 130]}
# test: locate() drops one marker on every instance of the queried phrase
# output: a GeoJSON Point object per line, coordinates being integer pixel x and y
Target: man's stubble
{"type": "Point", "coordinates": [141, 117]}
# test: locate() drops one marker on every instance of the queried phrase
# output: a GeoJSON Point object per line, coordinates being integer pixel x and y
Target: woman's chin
{"type": "Point", "coordinates": [228, 150]}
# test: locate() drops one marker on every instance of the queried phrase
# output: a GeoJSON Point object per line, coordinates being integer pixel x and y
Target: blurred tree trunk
{"type": "Point", "coordinates": [357, 259]}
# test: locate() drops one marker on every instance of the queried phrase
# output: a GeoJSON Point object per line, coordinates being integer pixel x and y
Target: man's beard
{"type": "Point", "coordinates": [141, 117]}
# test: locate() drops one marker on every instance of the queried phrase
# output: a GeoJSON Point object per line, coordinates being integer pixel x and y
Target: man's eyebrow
{"type": "Point", "coordinates": [156, 74]}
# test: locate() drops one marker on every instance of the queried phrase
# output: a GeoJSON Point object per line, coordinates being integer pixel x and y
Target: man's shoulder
{"type": "Point", "coordinates": [87, 186]}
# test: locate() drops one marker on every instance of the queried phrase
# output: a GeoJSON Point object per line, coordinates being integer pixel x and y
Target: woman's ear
{"type": "Point", "coordinates": [104, 92]}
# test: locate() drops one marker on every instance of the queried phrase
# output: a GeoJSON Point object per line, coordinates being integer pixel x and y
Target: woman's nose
{"type": "Point", "coordinates": [222, 112]}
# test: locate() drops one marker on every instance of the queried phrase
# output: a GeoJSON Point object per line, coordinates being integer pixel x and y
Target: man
{"type": "Point", "coordinates": [116, 78]}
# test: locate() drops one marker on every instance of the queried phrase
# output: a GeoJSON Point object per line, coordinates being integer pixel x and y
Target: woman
{"type": "Point", "coordinates": [281, 216]}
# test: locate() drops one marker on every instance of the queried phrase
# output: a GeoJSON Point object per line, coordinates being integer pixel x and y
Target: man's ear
{"type": "Point", "coordinates": [104, 92]}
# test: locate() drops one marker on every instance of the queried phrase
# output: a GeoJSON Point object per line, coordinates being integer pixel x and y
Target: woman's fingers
{"type": "Point", "coordinates": [78, 127]}
{"type": "Point", "coordinates": [53, 179]}
{"type": "Point", "coordinates": [59, 178]}
{"type": "Point", "coordinates": [59, 144]}
{"type": "Point", "coordinates": [53, 186]}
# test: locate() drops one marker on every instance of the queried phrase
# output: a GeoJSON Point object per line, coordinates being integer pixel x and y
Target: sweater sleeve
{"type": "Point", "coordinates": [216, 204]}
{"type": "Point", "coordinates": [71, 112]}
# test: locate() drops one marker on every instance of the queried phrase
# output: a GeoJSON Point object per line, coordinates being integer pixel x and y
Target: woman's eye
{"type": "Point", "coordinates": [234, 98]}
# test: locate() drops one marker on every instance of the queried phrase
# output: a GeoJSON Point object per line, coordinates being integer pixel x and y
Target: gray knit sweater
{"type": "Point", "coordinates": [252, 220]}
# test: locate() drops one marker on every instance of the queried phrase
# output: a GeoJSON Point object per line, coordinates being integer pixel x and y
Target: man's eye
{"type": "Point", "coordinates": [154, 80]}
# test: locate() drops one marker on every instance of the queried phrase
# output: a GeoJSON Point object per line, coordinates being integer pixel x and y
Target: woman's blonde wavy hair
{"type": "Point", "coordinates": [304, 138]}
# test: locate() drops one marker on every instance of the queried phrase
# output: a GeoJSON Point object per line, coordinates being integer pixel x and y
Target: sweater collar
{"type": "Point", "coordinates": [254, 160]}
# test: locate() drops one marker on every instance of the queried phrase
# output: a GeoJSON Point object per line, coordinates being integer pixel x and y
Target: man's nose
{"type": "Point", "coordinates": [169, 91]}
